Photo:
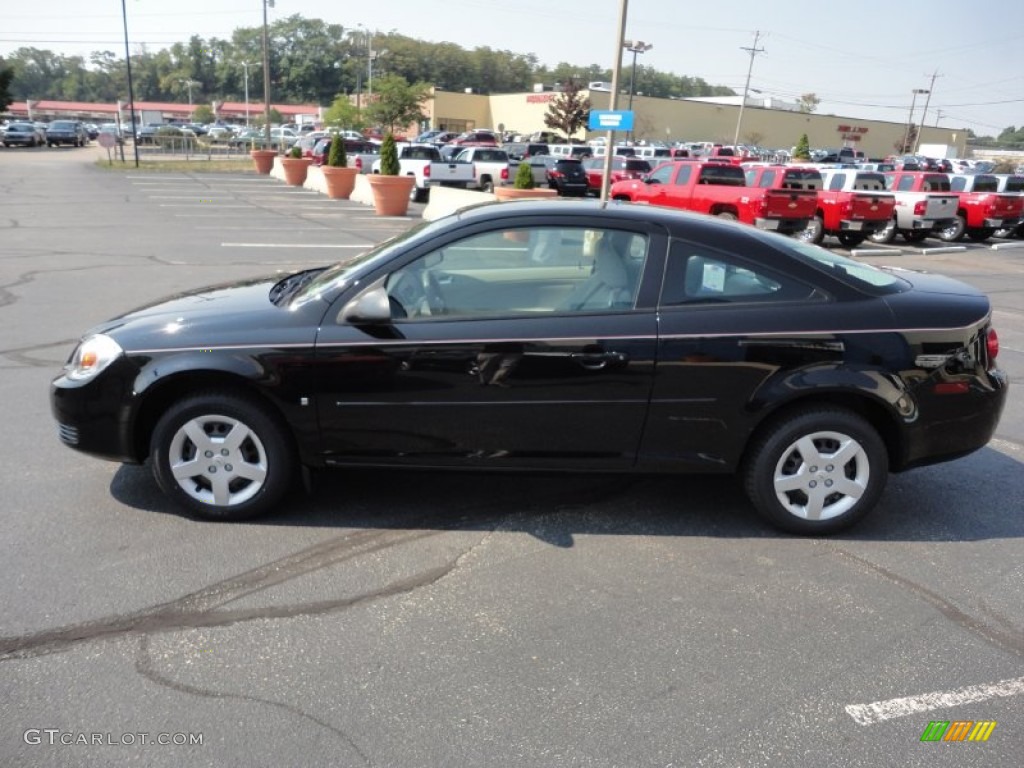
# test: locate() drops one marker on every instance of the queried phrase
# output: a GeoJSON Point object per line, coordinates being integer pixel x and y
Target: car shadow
{"type": "Point", "coordinates": [948, 502]}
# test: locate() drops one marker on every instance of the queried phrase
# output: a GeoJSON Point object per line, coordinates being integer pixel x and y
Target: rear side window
{"type": "Point", "coordinates": [869, 182]}
{"type": "Point", "coordinates": [838, 180]}
{"type": "Point", "coordinates": [802, 179]}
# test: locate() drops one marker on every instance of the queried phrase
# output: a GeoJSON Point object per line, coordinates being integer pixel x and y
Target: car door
{"type": "Point", "coordinates": [511, 344]}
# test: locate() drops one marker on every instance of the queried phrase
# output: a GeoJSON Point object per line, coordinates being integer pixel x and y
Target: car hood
{"type": "Point", "coordinates": [237, 313]}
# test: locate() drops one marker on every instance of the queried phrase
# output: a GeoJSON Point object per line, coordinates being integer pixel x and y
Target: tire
{"type": "Point", "coordinates": [885, 235]}
{"type": "Point", "coordinates": [728, 216]}
{"type": "Point", "coordinates": [792, 464]}
{"type": "Point", "coordinates": [212, 476]}
{"type": "Point", "coordinates": [954, 232]}
{"type": "Point", "coordinates": [487, 185]}
{"type": "Point", "coordinates": [417, 195]}
{"type": "Point", "coordinates": [814, 232]}
{"type": "Point", "coordinates": [850, 239]}
{"type": "Point", "coordinates": [916, 236]}
{"type": "Point", "coordinates": [980, 235]}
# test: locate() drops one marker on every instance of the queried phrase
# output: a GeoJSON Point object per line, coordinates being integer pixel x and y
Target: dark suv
{"type": "Point", "coordinates": [517, 150]}
{"type": "Point", "coordinates": [566, 174]}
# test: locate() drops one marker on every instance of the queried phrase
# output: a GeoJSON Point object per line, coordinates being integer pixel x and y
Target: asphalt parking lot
{"type": "Point", "coordinates": [388, 619]}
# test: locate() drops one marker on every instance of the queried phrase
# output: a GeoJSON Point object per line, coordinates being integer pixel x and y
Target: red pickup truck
{"type": "Point", "coordinates": [719, 189]}
{"type": "Point", "coordinates": [852, 204]}
{"type": "Point", "coordinates": [982, 209]}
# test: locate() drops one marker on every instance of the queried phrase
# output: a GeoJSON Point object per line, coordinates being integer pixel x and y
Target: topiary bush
{"type": "Point", "coordinates": [524, 176]}
{"type": "Point", "coordinates": [803, 149]}
{"type": "Point", "coordinates": [336, 157]}
{"type": "Point", "coordinates": [295, 152]}
{"type": "Point", "coordinates": [389, 165]}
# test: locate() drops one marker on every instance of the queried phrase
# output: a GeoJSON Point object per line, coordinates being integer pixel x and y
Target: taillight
{"type": "Point", "coordinates": [920, 207]}
{"type": "Point", "coordinates": [991, 345]}
{"type": "Point", "coordinates": [426, 171]}
{"type": "Point", "coordinates": [555, 174]}
{"type": "Point", "coordinates": [359, 164]}
{"type": "Point", "coordinates": [504, 173]}
{"type": "Point", "coordinates": [846, 210]}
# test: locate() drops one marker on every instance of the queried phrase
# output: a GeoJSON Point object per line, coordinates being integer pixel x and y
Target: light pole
{"type": "Point", "coordinates": [188, 83]}
{"type": "Point", "coordinates": [910, 117]}
{"type": "Point", "coordinates": [245, 68]}
{"type": "Point", "coordinates": [266, 73]}
{"type": "Point", "coordinates": [131, 90]}
{"type": "Point", "coordinates": [634, 47]}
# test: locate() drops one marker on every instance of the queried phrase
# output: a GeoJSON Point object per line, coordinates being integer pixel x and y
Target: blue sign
{"type": "Point", "coordinates": [608, 120]}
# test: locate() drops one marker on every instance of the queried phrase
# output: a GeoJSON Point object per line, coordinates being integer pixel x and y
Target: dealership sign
{"type": "Point", "coordinates": [608, 120]}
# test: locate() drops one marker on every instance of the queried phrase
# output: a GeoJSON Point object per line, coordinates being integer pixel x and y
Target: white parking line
{"type": "Point", "coordinates": [879, 711]}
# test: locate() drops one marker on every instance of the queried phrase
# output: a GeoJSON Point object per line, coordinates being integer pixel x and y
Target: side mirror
{"type": "Point", "coordinates": [370, 307]}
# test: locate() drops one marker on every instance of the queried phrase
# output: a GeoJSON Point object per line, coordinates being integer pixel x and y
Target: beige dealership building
{"type": "Point", "coordinates": [688, 120]}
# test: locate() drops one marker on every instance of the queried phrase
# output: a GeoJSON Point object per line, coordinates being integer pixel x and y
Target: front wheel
{"type": "Point", "coordinates": [222, 456]}
{"type": "Point", "coordinates": [817, 471]}
{"type": "Point", "coordinates": [981, 234]}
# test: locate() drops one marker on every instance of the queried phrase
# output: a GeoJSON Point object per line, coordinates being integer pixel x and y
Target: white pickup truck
{"type": "Point", "coordinates": [425, 164]}
{"type": "Point", "coordinates": [490, 167]}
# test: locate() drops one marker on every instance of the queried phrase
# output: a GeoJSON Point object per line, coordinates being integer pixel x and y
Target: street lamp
{"type": "Point", "coordinates": [910, 117]}
{"type": "Point", "coordinates": [634, 47]}
{"type": "Point", "coordinates": [245, 67]}
{"type": "Point", "coordinates": [266, 73]}
{"type": "Point", "coordinates": [188, 83]}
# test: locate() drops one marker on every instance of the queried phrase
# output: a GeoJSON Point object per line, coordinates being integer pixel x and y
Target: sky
{"type": "Point", "coordinates": [863, 60]}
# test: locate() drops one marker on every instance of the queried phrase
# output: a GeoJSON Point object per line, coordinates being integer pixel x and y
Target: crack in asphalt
{"type": "Point", "coordinates": [199, 609]}
{"type": "Point", "coordinates": [1009, 639]}
{"type": "Point", "coordinates": [146, 667]}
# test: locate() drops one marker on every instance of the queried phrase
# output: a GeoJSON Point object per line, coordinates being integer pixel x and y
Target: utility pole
{"type": "Point", "coordinates": [754, 50]}
{"type": "Point", "coordinates": [931, 87]}
{"type": "Point", "coordinates": [613, 97]}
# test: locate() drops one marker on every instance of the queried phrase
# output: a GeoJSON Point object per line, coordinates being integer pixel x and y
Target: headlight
{"type": "Point", "coordinates": [92, 356]}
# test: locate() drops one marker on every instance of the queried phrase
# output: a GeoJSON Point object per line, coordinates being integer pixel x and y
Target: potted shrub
{"type": "Point", "coordinates": [263, 159]}
{"type": "Point", "coordinates": [391, 190]}
{"type": "Point", "coordinates": [295, 167]}
{"type": "Point", "coordinates": [523, 185]}
{"type": "Point", "coordinates": [340, 179]}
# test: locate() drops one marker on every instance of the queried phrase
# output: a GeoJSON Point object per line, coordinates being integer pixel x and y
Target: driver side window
{"type": "Point", "coordinates": [522, 271]}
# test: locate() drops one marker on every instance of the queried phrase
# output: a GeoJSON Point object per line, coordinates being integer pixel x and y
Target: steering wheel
{"type": "Point", "coordinates": [432, 289]}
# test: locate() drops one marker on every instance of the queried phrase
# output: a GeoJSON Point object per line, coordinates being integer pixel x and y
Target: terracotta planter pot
{"type": "Point", "coordinates": [295, 169]}
{"type": "Point", "coordinates": [264, 160]}
{"type": "Point", "coordinates": [511, 193]}
{"type": "Point", "coordinates": [391, 193]}
{"type": "Point", "coordinates": [340, 181]}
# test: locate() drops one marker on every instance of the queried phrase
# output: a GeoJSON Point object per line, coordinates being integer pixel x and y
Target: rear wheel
{"type": "Point", "coordinates": [728, 216]}
{"type": "Point", "coordinates": [885, 235]}
{"type": "Point", "coordinates": [817, 471]}
{"type": "Point", "coordinates": [487, 185]}
{"type": "Point", "coordinates": [222, 456]}
{"type": "Point", "coordinates": [954, 231]}
{"type": "Point", "coordinates": [916, 236]}
{"type": "Point", "coordinates": [814, 232]}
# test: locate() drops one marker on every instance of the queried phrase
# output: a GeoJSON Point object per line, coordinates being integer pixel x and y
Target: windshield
{"type": "Point", "coordinates": [862, 276]}
{"type": "Point", "coordinates": [332, 280]}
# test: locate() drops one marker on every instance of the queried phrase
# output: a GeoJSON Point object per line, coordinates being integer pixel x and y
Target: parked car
{"type": "Point", "coordinates": [566, 175]}
{"type": "Point", "coordinates": [23, 135]}
{"type": "Point", "coordinates": [655, 341]}
{"type": "Point", "coordinates": [361, 153]}
{"type": "Point", "coordinates": [475, 139]}
{"type": "Point", "coordinates": [517, 150]}
{"type": "Point", "coordinates": [66, 132]}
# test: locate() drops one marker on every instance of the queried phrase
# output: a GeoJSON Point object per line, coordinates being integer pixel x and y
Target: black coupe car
{"type": "Point", "coordinates": [542, 335]}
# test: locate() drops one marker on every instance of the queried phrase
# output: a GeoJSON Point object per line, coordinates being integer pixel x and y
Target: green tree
{"type": "Point", "coordinates": [6, 76]}
{"type": "Point", "coordinates": [336, 156]}
{"type": "Point", "coordinates": [389, 165]}
{"type": "Point", "coordinates": [397, 104]}
{"type": "Point", "coordinates": [203, 114]}
{"type": "Point", "coordinates": [524, 175]}
{"type": "Point", "coordinates": [568, 112]}
{"type": "Point", "coordinates": [803, 149]}
{"type": "Point", "coordinates": [343, 114]}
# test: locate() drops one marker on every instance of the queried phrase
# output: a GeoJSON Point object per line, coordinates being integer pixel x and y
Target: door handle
{"type": "Point", "coordinates": [596, 361]}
